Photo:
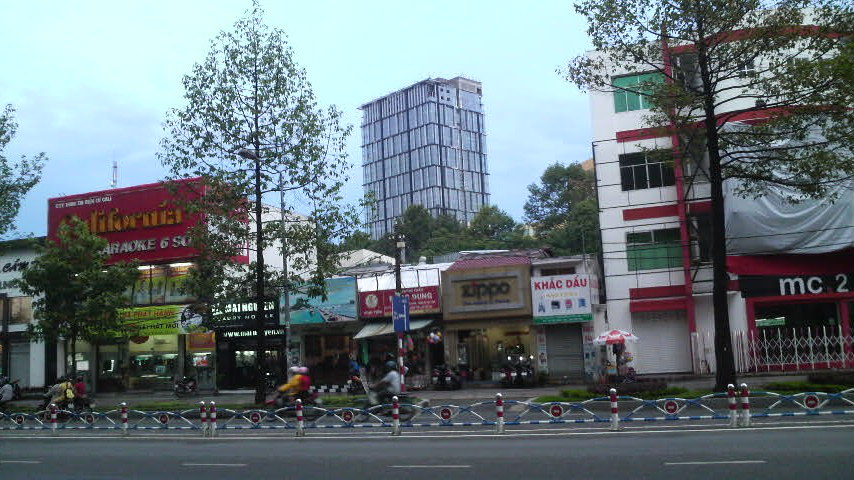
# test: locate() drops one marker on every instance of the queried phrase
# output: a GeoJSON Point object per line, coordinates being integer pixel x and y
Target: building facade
{"type": "Point", "coordinates": [655, 227]}
{"type": "Point", "coordinates": [425, 145]}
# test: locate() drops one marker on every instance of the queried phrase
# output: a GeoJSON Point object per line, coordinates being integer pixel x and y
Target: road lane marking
{"type": "Point", "coordinates": [213, 464]}
{"type": "Point", "coordinates": [21, 461]}
{"type": "Point", "coordinates": [429, 466]}
{"type": "Point", "coordinates": [722, 462]}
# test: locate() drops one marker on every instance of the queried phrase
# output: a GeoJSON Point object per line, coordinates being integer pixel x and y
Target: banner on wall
{"type": "Point", "coordinates": [564, 298]}
{"type": "Point", "coordinates": [378, 304]}
{"type": "Point", "coordinates": [339, 306]}
{"type": "Point", "coordinates": [142, 222]}
{"type": "Point", "coordinates": [161, 320]}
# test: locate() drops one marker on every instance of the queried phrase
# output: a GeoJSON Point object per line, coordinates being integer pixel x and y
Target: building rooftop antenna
{"type": "Point", "coordinates": [115, 182]}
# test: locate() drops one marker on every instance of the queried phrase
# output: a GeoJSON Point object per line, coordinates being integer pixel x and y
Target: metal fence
{"type": "Point", "coordinates": [732, 408]}
{"type": "Point", "coordinates": [788, 349]}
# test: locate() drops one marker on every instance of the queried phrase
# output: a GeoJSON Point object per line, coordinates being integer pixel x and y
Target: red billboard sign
{"type": "Point", "coordinates": [140, 223]}
{"type": "Point", "coordinates": [377, 304]}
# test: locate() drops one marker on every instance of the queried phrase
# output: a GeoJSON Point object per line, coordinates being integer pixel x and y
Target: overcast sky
{"type": "Point", "coordinates": [92, 80]}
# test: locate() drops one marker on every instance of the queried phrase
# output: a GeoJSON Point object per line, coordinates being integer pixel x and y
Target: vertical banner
{"type": "Point", "coordinates": [400, 313]}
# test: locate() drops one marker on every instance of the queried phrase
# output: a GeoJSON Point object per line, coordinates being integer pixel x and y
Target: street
{"type": "Point", "coordinates": [783, 450]}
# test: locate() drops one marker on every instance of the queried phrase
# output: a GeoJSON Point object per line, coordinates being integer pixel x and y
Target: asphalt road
{"type": "Point", "coordinates": [780, 450]}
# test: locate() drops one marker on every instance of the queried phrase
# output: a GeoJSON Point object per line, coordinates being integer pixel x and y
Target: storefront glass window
{"type": "Point", "coordinates": [153, 362]}
{"type": "Point", "coordinates": [22, 310]}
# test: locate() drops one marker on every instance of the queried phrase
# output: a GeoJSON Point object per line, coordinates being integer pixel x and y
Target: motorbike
{"type": "Point", "coordinates": [186, 386]}
{"type": "Point", "coordinates": [16, 390]}
{"type": "Point", "coordinates": [445, 378]}
{"type": "Point", "coordinates": [518, 373]}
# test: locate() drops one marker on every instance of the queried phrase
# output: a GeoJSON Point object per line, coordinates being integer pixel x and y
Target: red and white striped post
{"type": "Point", "coordinates": [53, 418]}
{"type": "Point", "coordinates": [124, 412]}
{"type": "Point", "coordinates": [212, 425]}
{"type": "Point", "coordinates": [300, 420]}
{"type": "Point", "coordinates": [203, 414]}
{"type": "Point", "coordinates": [499, 413]}
{"type": "Point", "coordinates": [615, 410]}
{"type": "Point", "coordinates": [400, 364]}
{"type": "Point", "coordinates": [745, 406]}
{"type": "Point", "coordinates": [395, 416]}
{"type": "Point", "coordinates": [733, 415]}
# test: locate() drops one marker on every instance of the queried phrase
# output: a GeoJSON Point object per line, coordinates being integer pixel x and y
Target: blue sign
{"type": "Point", "coordinates": [400, 313]}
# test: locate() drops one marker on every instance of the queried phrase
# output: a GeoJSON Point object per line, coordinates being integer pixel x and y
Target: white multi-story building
{"type": "Point", "coordinates": [655, 226]}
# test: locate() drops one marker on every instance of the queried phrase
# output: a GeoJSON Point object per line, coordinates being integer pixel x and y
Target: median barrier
{"type": "Point", "coordinates": [498, 414]}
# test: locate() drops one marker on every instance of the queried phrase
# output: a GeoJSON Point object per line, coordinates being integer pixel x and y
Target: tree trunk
{"type": "Point", "coordinates": [724, 362]}
{"type": "Point", "coordinates": [260, 386]}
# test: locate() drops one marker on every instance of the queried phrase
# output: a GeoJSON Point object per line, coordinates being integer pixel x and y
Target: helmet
{"type": "Point", "coordinates": [391, 365]}
{"type": "Point", "coordinates": [294, 369]}
{"type": "Point", "coordinates": [303, 370]}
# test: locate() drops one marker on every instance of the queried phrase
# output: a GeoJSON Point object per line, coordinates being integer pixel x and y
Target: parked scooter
{"type": "Point", "coordinates": [445, 378]}
{"type": "Point", "coordinates": [186, 386]}
{"type": "Point", "coordinates": [518, 372]}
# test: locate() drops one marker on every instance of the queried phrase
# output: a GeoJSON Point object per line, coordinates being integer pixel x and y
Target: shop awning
{"type": "Point", "coordinates": [387, 328]}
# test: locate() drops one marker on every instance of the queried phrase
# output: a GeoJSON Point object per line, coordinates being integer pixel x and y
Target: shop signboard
{"type": "Point", "coordinates": [161, 320]}
{"type": "Point", "coordinates": [143, 222]}
{"type": "Point", "coordinates": [564, 298]}
{"type": "Point", "coordinates": [378, 304]}
{"type": "Point", "coordinates": [795, 285]}
{"type": "Point", "coordinates": [339, 306]}
{"type": "Point", "coordinates": [241, 315]}
{"type": "Point", "coordinates": [13, 262]}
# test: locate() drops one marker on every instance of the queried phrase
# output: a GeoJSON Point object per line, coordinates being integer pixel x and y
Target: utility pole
{"type": "Point", "coordinates": [285, 316]}
{"type": "Point", "coordinates": [399, 243]}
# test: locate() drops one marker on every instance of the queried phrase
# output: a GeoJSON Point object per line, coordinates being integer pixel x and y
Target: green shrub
{"type": "Point", "coordinates": [800, 387]}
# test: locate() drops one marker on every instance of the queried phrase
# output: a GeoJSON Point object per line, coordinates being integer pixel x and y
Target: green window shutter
{"type": "Point", "coordinates": [621, 97]}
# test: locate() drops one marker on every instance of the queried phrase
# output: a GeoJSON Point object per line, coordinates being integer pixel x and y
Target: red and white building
{"type": "Point", "coordinates": [791, 294]}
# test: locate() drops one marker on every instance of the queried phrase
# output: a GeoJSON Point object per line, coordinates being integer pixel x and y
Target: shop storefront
{"type": "Point", "coordinates": [322, 330]}
{"type": "Point", "coordinates": [237, 344]}
{"type": "Point", "coordinates": [20, 359]}
{"type": "Point", "coordinates": [563, 309]}
{"type": "Point", "coordinates": [488, 317]}
{"type": "Point", "coordinates": [143, 224]}
{"type": "Point", "coordinates": [379, 342]}
{"type": "Point", "coordinates": [795, 320]}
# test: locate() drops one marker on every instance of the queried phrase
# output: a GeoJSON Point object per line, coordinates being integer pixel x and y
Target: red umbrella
{"type": "Point", "coordinates": [612, 337]}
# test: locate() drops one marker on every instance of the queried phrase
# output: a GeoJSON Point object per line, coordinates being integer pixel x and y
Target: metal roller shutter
{"type": "Point", "coordinates": [19, 363]}
{"type": "Point", "coordinates": [664, 345]}
{"type": "Point", "coordinates": [564, 350]}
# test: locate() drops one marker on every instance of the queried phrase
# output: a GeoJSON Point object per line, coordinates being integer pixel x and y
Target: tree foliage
{"type": "Point", "coordinates": [251, 126]}
{"type": "Point", "coordinates": [562, 209]}
{"type": "Point", "coordinates": [16, 177]}
{"type": "Point", "coordinates": [77, 294]}
{"type": "Point", "coordinates": [779, 64]}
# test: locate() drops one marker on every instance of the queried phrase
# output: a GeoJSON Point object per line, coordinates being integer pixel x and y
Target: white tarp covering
{"type": "Point", "coordinates": [771, 224]}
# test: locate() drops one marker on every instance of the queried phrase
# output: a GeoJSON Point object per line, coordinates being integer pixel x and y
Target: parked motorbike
{"type": "Point", "coordinates": [518, 372]}
{"type": "Point", "coordinates": [186, 386]}
{"type": "Point", "coordinates": [445, 378]}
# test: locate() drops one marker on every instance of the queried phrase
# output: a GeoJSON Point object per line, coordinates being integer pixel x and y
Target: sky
{"type": "Point", "coordinates": [92, 80]}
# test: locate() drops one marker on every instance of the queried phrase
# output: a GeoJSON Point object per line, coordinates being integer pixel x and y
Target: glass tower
{"type": "Point", "coordinates": [425, 145]}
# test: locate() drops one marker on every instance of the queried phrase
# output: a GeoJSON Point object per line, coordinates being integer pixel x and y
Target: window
{"type": "Point", "coordinates": [746, 69]}
{"type": "Point", "coordinates": [646, 170]}
{"type": "Point", "coordinates": [653, 249]}
{"type": "Point", "coordinates": [629, 91]}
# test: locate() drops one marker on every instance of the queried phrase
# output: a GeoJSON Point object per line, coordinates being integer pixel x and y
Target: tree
{"type": "Point", "coordinates": [16, 177]}
{"type": "Point", "coordinates": [563, 209]}
{"type": "Point", "coordinates": [416, 224]}
{"type": "Point", "coordinates": [251, 126]}
{"type": "Point", "coordinates": [491, 223]}
{"type": "Point", "coordinates": [713, 62]}
{"type": "Point", "coordinates": [77, 294]}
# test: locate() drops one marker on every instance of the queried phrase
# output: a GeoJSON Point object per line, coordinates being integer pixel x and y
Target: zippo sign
{"type": "Point", "coordinates": [140, 223]}
{"type": "Point", "coordinates": [378, 304]}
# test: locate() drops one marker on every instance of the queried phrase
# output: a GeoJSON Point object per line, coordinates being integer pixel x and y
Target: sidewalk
{"type": "Point", "coordinates": [436, 397]}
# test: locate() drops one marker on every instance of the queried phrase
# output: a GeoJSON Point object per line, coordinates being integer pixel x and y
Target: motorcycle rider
{"type": "Point", "coordinates": [389, 386]}
{"type": "Point", "coordinates": [295, 385]}
{"type": "Point", "coordinates": [60, 394]}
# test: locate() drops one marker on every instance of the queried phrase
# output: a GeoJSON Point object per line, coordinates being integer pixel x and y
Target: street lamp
{"type": "Point", "coordinates": [399, 244]}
